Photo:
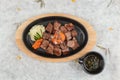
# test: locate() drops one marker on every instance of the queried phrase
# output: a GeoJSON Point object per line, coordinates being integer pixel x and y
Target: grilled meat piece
{"type": "Point", "coordinates": [65, 51]}
{"type": "Point", "coordinates": [44, 44]}
{"type": "Point", "coordinates": [68, 35]}
{"type": "Point", "coordinates": [46, 35]}
{"type": "Point", "coordinates": [73, 44]}
{"type": "Point", "coordinates": [69, 26]}
{"type": "Point", "coordinates": [63, 29]}
{"type": "Point", "coordinates": [56, 25]}
{"type": "Point", "coordinates": [74, 33]}
{"type": "Point", "coordinates": [57, 51]}
{"type": "Point", "coordinates": [63, 46]}
{"type": "Point", "coordinates": [50, 49]}
{"type": "Point", "coordinates": [49, 28]}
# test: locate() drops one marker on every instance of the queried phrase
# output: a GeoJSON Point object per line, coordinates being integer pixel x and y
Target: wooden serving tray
{"type": "Point", "coordinates": [89, 45]}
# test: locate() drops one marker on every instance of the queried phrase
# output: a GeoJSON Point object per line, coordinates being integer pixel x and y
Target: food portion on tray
{"type": "Point", "coordinates": [55, 39]}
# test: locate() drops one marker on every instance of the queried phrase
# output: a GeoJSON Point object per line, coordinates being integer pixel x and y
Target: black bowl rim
{"type": "Point", "coordinates": [83, 64]}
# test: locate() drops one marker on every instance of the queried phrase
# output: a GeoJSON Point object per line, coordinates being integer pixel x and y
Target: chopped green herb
{"type": "Point", "coordinates": [39, 36]}
{"type": "Point", "coordinates": [35, 38]}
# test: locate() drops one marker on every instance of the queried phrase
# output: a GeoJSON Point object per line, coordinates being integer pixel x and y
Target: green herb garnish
{"type": "Point", "coordinates": [37, 36]}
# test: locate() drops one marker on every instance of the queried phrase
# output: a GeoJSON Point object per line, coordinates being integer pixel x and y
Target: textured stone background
{"type": "Point", "coordinates": [15, 65]}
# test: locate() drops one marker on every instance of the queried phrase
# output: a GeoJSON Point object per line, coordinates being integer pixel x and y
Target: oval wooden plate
{"type": "Point", "coordinates": [88, 46]}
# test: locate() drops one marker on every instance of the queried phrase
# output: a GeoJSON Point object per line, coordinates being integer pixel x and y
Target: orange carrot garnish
{"type": "Point", "coordinates": [37, 43]}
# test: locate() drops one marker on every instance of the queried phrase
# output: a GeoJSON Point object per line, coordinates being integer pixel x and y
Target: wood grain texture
{"type": "Point", "coordinates": [90, 44]}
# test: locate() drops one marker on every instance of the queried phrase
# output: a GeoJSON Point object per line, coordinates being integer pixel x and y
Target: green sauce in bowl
{"type": "Point", "coordinates": [92, 62]}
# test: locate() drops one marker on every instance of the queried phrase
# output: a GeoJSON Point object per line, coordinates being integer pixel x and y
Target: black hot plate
{"type": "Point", "coordinates": [82, 36]}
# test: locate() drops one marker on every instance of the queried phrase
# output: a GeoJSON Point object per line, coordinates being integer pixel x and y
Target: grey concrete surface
{"type": "Point", "coordinates": [104, 18]}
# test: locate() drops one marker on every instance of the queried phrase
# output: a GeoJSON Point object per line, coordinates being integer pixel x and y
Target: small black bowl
{"type": "Point", "coordinates": [96, 59]}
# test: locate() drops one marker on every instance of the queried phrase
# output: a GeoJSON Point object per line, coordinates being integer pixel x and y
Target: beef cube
{"type": "Point", "coordinates": [68, 35]}
{"type": "Point", "coordinates": [46, 35]}
{"type": "Point", "coordinates": [73, 44]}
{"type": "Point", "coordinates": [74, 33]}
{"type": "Point", "coordinates": [63, 46]}
{"type": "Point", "coordinates": [54, 31]}
{"type": "Point", "coordinates": [56, 25]}
{"type": "Point", "coordinates": [65, 51]}
{"type": "Point", "coordinates": [57, 51]}
{"type": "Point", "coordinates": [50, 49]}
{"type": "Point", "coordinates": [44, 44]}
{"type": "Point", "coordinates": [58, 46]}
{"type": "Point", "coordinates": [63, 29]}
{"type": "Point", "coordinates": [69, 26]}
{"type": "Point", "coordinates": [74, 39]}
{"type": "Point", "coordinates": [49, 28]}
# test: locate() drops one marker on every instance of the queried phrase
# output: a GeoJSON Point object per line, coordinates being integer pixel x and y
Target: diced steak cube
{"type": "Point", "coordinates": [46, 35]}
{"type": "Point", "coordinates": [54, 31]}
{"type": "Point", "coordinates": [57, 51]}
{"type": "Point", "coordinates": [74, 39]}
{"type": "Point", "coordinates": [44, 44]}
{"type": "Point", "coordinates": [57, 45]}
{"type": "Point", "coordinates": [65, 51]}
{"type": "Point", "coordinates": [56, 25]}
{"type": "Point", "coordinates": [69, 26]}
{"type": "Point", "coordinates": [68, 35]}
{"type": "Point", "coordinates": [50, 49]}
{"type": "Point", "coordinates": [49, 28]}
{"type": "Point", "coordinates": [63, 29]}
{"type": "Point", "coordinates": [73, 44]}
{"type": "Point", "coordinates": [74, 33]}
{"type": "Point", "coordinates": [63, 45]}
